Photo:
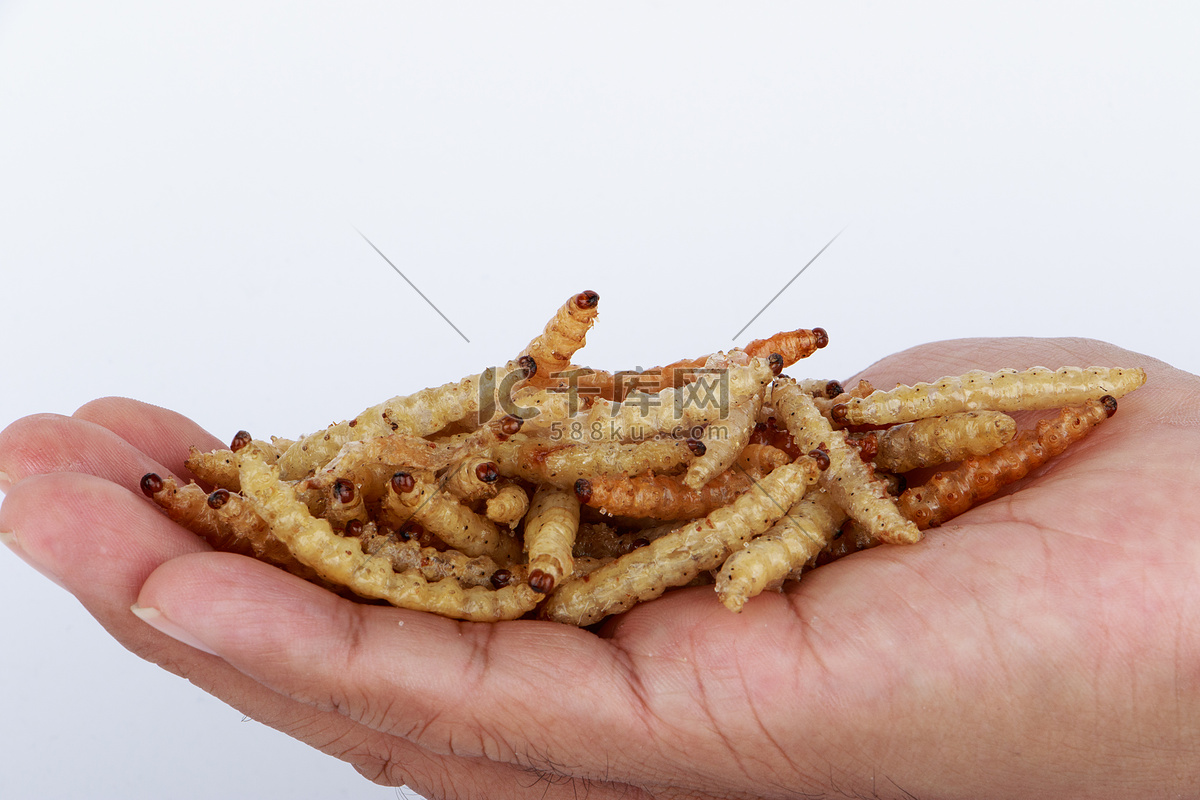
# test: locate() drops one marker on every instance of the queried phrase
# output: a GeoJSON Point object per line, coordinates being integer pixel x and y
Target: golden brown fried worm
{"type": "Point", "coordinates": [677, 558]}
{"type": "Point", "coordinates": [1006, 390]}
{"type": "Point", "coordinates": [416, 498]}
{"type": "Point", "coordinates": [948, 494]}
{"type": "Point", "coordinates": [562, 337]}
{"type": "Point", "coordinates": [420, 414]}
{"type": "Point", "coordinates": [550, 529]}
{"type": "Point", "coordinates": [791, 543]}
{"type": "Point", "coordinates": [849, 480]}
{"type": "Point", "coordinates": [940, 440]}
{"type": "Point", "coordinates": [341, 560]}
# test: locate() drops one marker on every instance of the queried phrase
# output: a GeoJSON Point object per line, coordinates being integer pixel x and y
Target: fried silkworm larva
{"type": "Point", "coordinates": [849, 480]}
{"type": "Point", "coordinates": [420, 414]}
{"type": "Point", "coordinates": [760, 459]}
{"type": "Point", "coordinates": [1006, 390]}
{"type": "Point", "coordinates": [722, 451]}
{"type": "Point", "coordinates": [472, 478]}
{"type": "Point", "coordinates": [562, 337]}
{"type": "Point", "coordinates": [677, 558]}
{"type": "Point", "coordinates": [832, 398]}
{"type": "Point", "coordinates": [643, 415]}
{"type": "Point", "coordinates": [550, 529]}
{"type": "Point", "coordinates": [433, 564]}
{"type": "Point", "coordinates": [341, 560]}
{"type": "Point", "coordinates": [948, 494]}
{"type": "Point", "coordinates": [219, 468]}
{"type": "Point", "coordinates": [415, 497]}
{"type": "Point", "coordinates": [224, 520]}
{"type": "Point", "coordinates": [791, 543]}
{"type": "Point", "coordinates": [345, 503]}
{"type": "Point", "coordinates": [509, 505]}
{"type": "Point", "coordinates": [664, 497]}
{"type": "Point", "coordinates": [939, 440]}
{"type": "Point", "coordinates": [791, 345]}
{"type": "Point", "coordinates": [561, 463]}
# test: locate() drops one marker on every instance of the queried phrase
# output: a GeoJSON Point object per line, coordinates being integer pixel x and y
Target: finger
{"type": "Point", "coordinates": [160, 433]}
{"type": "Point", "coordinates": [495, 691]}
{"type": "Point", "coordinates": [46, 443]}
{"type": "Point", "coordinates": [100, 542]}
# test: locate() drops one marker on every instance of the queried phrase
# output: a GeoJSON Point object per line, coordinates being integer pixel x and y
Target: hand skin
{"type": "Point", "coordinates": [1045, 644]}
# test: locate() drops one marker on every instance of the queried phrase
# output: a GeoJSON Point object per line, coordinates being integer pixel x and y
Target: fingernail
{"type": "Point", "coordinates": [161, 623]}
{"type": "Point", "coordinates": [6, 482]}
{"type": "Point", "coordinates": [9, 540]}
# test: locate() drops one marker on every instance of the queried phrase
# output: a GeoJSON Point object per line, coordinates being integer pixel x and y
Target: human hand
{"type": "Point", "coordinates": [1040, 645]}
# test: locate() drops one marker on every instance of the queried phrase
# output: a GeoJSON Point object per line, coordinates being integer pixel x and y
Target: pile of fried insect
{"type": "Point", "coordinates": [546, 489]}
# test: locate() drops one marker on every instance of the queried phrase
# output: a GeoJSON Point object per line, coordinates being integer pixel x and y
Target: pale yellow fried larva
{"type": "Point", "coordinates": [420, 414]}
{"type": "Point", "coordinates": [341, 560]}
{"type": "Point", "coordinates": [472, 478]}
{"type": "Point", "coordinates": [759, 459]}
{"type": "Point", "coordinates": [219, 467]}
{"type": "Point", "coordinates": [678, 557]}
{"type": "Point", "coordinates": [550, 528]}
{"type": "Point", "coordinates": [1006, 390]}
{"type": "Point", "coordinates": [849, 480]}
{"type": "Point", "coordinates": [444, 515]}
{"type": "Point", "coordinates": [509, 505]}
{"type": "Point", "coordinates": [641, 415]}
{"type": "Point", "coordinates": [434, 564]}
{"type": "Point", "coordinates": [948, 494]}
{"type": "Point", "coordinates": [562, 337]}
{"type": "Point", "coordinates": [827, 401]}
{"type": "Point", "coordinates": [721, 451]}
{"type": "Point", "coordinates": [663, 497]}
{"type": "Point", "coordinates": [226, 521]}
{"type": "Point", "coordinates": [791, 543]}
{"type": "Point", "coordinates": [344, 502]}
{"type": "Point", "coordinates": [561, 463]}
{"type": "Point", "coordinates": [939, 440]}
{"type": "Point", "coordinates": [790, 345]}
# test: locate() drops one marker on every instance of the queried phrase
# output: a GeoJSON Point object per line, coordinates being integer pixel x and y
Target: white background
{"type": "Point", "coordinates": [180, 187]}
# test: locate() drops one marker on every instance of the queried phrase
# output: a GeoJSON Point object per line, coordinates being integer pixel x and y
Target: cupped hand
{"type": "Point", "coordinates": [1045, 644]}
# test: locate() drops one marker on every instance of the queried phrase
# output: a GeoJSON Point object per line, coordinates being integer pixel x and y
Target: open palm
{"type": "Point", "coordinates": [1044, 644]}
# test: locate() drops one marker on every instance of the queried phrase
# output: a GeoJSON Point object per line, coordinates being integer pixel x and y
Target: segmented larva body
{"type": "Point", "coordinates": [421, 414]}
{"type": "Point", "coordinates": [939, 440]}
{"type": "Point", "coordinates": [472, 478]}
{"type": "Point", "coordinates": [562, 337]}
{"type": "Point", "coordinates": [562, 463]}
{"type": "Point", "coordinates": [948, 494]}
{"type": "Point", "coordinates": [641, 415]}
{"type": "Point", "coordinates": [760, 459]}
{"type": "Point", "coordinates": [721, 451]}
{"type": "Point", "coordinates": [664, 497]}
{"type": "Point", "coordinates": [433, 564]}
{"type": "Point", "coordinates": [1006, 390]}
{"type": "Point", "coordinates": [509, 505]}
{"type": "Point", "coordinates": [341, 560]}
{"type": "Point", "coordinates": [416, 498]}
{"type": "Point", "coordinates": [791, 345]}
{"type": "Point", "coordinates": [550, 528]}
{"type": "Point", "coordinates": [678, 557]}
{"type": "Point", "coordinates": [791, 543]}
{"type": "Point", "coordinates": [849, 480]}
{"type": "Point", "coordinates": [225, 520]}
{"type": "Point", "coordinates": [219, 468]}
